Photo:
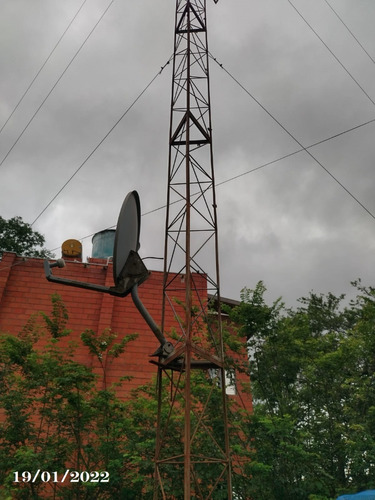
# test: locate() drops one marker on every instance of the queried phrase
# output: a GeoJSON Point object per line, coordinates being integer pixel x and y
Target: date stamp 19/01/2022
{"type": "Point", "coordinates": [71, 476]}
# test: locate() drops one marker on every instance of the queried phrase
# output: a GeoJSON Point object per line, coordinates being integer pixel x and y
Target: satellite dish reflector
{"type": "Point", "coordinates": [128, 268]}
{"type": "Point", "coordinates": [127, 233]}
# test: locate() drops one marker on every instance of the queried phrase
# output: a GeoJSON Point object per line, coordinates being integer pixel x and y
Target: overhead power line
{"type": "Point", "coordinates": [101, 142]}
{"type": "Point", "coordinates": [350, 31]}
{"type": "Point", "coordinates": [303, 148]}
{"type": "Point", "coordinates": [250, 171]}
{"type": "Point", "coordinates": [295, 152]}
{"type": "Point", "coordinates": [56, 83]}
{"type": "Point", "coordinates": [332, 53]}
{"type": "Point", "coordinates": [43, 65]}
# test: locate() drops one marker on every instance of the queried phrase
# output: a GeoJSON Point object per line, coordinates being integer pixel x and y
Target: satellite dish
{"type": "Point", "coordinates": [128, 268]}
{"type": "Point", "coordinates": [127, 234]}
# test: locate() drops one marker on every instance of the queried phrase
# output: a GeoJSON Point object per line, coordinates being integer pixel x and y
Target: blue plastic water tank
{"type": "Point", "coordinates": [103, 243]}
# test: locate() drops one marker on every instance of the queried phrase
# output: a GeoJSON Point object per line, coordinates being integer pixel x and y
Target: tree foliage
{"type": "Point", "coordinates": [19, 237]}
{"type": "Point", "coordinates": [311, 435]}
{"type": "Point", "coordinates": [312, 372]}
{"type": "Point", "coordinates": [54, 416]}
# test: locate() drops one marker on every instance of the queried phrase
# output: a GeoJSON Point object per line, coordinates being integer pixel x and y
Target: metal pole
{"type": "Point", "coordinates": [187, 449]}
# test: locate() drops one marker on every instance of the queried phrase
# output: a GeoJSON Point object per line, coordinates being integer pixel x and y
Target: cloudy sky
{"type": "Point", "coordinates": [307, 72]}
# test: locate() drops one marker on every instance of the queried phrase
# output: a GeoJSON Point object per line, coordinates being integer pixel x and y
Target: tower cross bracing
{"type": "Point", "coordinates": [191, 264]}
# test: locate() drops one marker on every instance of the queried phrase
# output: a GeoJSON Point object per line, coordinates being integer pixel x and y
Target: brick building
{"type": "Point", "coordinates": [24, 291]}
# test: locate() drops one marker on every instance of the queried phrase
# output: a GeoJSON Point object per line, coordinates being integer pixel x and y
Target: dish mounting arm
{"type": "Point", "coordinates": [133, 274]}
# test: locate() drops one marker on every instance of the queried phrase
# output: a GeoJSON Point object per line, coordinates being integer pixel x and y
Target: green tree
{"type": "Point", "coordinates": [54, 417]}
{"type": "Point", "coordinates": [312, 372]}
{"type": "Point", "coordinates": [19, 237]}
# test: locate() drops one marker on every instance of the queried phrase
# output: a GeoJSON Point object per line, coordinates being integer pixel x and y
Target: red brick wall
{"type": "Point", "coordinates": [24, 291]}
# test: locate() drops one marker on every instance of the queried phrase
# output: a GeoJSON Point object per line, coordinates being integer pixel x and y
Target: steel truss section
{"type": "Point", "coordinates": [191, 268]}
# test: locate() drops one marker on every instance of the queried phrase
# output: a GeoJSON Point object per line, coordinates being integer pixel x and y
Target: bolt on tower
{"type": "Point", "coordinates": [191, 264]}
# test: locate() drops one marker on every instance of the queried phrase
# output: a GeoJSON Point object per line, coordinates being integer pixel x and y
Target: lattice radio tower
{"type": "Point", "coordinates": [191, 264]}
